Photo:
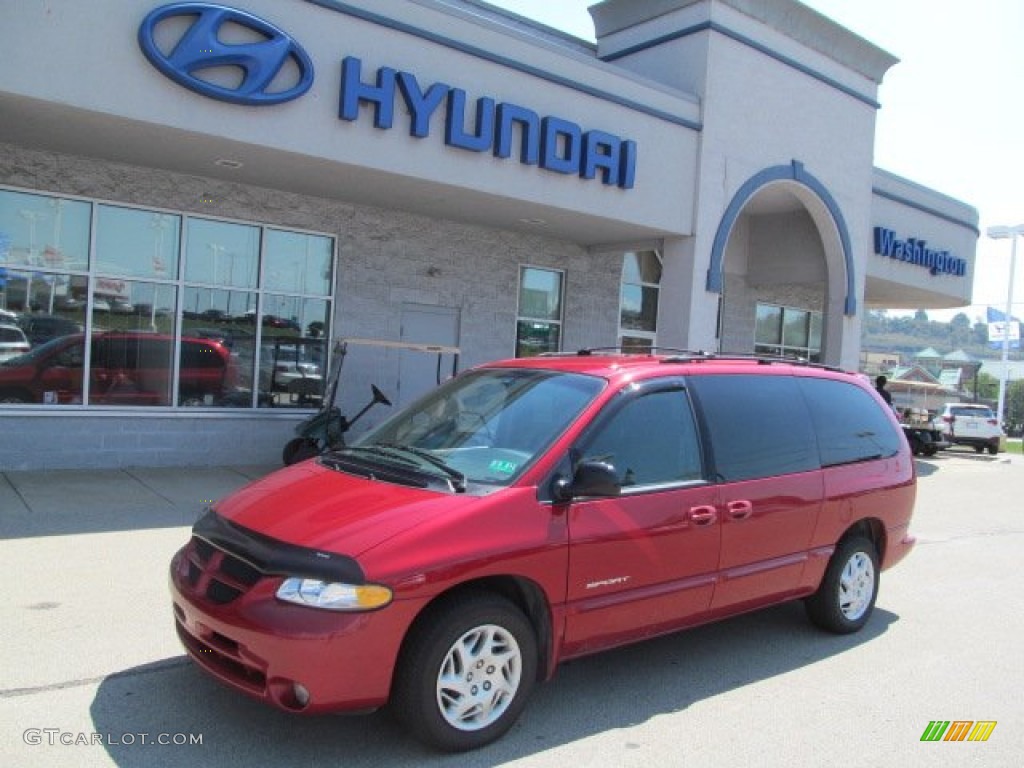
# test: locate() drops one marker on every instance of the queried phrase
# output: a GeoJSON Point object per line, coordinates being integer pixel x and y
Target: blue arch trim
{"type": "Point", "coordinates": [793, 172]}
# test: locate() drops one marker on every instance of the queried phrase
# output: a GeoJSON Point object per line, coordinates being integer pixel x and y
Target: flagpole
{"type": "Point", "coordinates": [1002, 233]}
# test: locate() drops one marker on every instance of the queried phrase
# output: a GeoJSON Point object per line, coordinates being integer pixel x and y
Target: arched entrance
{"type": "Point", "coordinates": [782, 265]}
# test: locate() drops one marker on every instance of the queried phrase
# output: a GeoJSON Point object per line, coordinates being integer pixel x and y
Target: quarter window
{"type": "Point", "coordinates": [539, 322]}
{"type": "Point", "coordinates": [849, 423]}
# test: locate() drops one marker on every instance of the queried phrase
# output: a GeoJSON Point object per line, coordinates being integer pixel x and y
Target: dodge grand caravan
{"type": "Point", "coordinates": [532, 511]}
{"type": "Point", "coordinates": [127, 368]}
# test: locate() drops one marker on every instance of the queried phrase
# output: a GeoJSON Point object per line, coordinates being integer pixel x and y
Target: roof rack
{"type": "Point", "coordinates": [676, 355]}
{"type": "Point", "coordinates": [648, 351]}
{"type": "Point", "coordinates": [760, 359]}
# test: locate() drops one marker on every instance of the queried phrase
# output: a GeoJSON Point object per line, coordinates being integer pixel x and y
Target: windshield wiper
{"type": "Point", "coordinates": [401, 453]}
{"type": "Point", "coordinates": [457, 479]}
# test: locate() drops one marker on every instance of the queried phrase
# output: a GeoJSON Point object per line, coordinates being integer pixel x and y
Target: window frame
{"type": "Point", "coordinates": [629, 394]}
{"type": "Point", "coordinates": [651, 336]}
{"type": "Point", "coordinates": [520, 317]}
{"type": "Point", "coordinates": [91, 273]}
{"type": "Point", "coordinates": [779, 347]}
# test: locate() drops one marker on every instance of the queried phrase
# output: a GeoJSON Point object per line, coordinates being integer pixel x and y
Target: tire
{"type": "Point", "coordinates": [846, 597]}
{"type": "Point", "coordinates": [299, 449]}
{"type": "Point", "coordinates": [993, 448]}
{"type": "Point", "coordinates": [930, 450]}
{"type": "Point", "coordinates": [466, 672]}
{"type": "Point", "coordinates": [979, 449]}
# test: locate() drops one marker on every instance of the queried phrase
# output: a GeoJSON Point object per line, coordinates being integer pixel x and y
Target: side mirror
{"type": "Point", "coordinates": [592, 478]}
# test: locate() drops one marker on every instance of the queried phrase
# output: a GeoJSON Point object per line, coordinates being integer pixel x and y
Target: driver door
{"type": "Point", "coordinates": [644, 562]}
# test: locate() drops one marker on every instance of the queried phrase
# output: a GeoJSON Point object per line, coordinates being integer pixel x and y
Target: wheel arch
{"type": "Point", "coordinates": [524, 593]}
{"type": "Point", "coordinates": [872, 529]}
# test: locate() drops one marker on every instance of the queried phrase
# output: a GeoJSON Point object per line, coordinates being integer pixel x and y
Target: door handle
{"type": "Point", "coordinates": [740, 510]}
{"type": "Point", "coordinates": [703, 515]}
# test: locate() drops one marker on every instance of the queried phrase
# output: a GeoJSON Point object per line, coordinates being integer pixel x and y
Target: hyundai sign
{"type": "Point", "coordinates": [501, 128]}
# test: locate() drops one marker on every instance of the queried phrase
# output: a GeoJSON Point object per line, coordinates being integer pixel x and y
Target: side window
{"type": "Point", "coordinates": [71, 357]}
{"type": "Point", "coordinates": [758, 426]}
{"type": "Point", "coordinates": [850, 424]}
{"type": "Point", "coordinates": [650, 440]}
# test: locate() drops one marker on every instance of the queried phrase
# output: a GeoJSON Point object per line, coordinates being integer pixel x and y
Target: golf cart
{"type": "Point", "coordinates": [325, 430]}
{"type": "Point", "coordinates": [921, 434]}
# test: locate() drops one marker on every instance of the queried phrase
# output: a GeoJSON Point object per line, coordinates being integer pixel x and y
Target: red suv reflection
{"type": "Point", "coordinates": [532, 511]}
{"type": "Point", "coordinates": [127, 368]}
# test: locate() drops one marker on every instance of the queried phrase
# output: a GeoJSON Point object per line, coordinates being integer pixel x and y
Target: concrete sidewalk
{"type": "Point", "coordinates": [59, 502]}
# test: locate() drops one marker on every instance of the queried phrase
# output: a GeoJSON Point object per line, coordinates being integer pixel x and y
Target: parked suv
{"type": "Point", "coordinates": [970, 424]}
{"type": "Point", "coordinates": [533, 511]}
{"type": "Point", "coordinates": [127, 368]}
{"type": "Point", "coordinates": [12, 341]}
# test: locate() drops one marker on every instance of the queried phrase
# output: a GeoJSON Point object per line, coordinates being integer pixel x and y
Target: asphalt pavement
{"type": "Point", "coordinates": [93, 674]}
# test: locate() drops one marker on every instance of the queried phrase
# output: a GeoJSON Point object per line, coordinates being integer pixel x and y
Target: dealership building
{"type": "Point", "coordinates": [198, 199]}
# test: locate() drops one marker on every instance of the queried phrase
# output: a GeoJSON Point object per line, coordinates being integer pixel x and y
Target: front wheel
{"type": "Point", "coordinates": [846, 597]}
{"type": "Point", "coordinates": [466, 673]}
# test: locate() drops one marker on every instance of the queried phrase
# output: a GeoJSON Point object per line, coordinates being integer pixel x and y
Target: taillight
{"type": "Point", "coordinates": [993, 422]}
{"type": "Point", "coordinates": [948, 419]}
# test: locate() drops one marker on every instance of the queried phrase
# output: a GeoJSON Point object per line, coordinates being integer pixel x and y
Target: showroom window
{"type": "Point", "coordinates": [539, 321]}
{"type": "Point", "coordinates": [638, 300]}
{"type": "Point", "coordinates": [788, 332]}
{"type": "Point", "coordinates": [130, 306]}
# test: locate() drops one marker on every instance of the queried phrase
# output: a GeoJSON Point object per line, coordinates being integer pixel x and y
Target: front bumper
{"type": "Point", "coordinates": [264, 647]}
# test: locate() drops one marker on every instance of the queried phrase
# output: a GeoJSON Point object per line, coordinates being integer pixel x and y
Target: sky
{"type": "Point", "coordinates": [952, 114]}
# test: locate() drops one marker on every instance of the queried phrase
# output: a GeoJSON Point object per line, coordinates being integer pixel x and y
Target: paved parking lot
{"type": "Point", "coordinates": [89, 653]}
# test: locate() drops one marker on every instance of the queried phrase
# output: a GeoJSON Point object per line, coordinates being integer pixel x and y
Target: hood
{"type": "Point", "coordinates": [312, 506]}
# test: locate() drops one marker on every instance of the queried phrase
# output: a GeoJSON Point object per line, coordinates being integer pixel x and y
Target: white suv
{"type": "Point", "coordinates": [12, 341]}
{"type": "Point", "coordinates": [970, 424]}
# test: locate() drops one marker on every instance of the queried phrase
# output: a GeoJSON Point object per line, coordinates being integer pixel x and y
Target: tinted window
{"type": "Point", "coordinates": [194, 355]}
{"type": "Point", "coordinates": [758, 425]}
{"type": "Point", "coordinates": [978, 413]}
{"type": "Point", "coordinates": [851, 426]}
{"type": "Point", "coordinates": [651, 439]}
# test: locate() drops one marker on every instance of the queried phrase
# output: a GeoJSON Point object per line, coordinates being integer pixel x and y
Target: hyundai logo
{"type": "Point", "coordinates": [200, 51]}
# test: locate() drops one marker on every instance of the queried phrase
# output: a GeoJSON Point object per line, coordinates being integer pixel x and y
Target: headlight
{"type": "Point", "coordinates": [333, 596]}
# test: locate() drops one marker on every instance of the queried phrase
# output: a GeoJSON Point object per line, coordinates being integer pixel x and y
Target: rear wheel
{"type": "Point", "coordinates": [979, 449]}
{"type": "Point", "coordinates": [993, 448]}
{"type": "Point", "coordinates": [466, 673]}
{"type": "Point", "coordinates": [846, 597]}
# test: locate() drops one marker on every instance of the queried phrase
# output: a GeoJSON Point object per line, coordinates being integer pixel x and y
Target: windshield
{"type": "Point", "coordinates": [487, 425]}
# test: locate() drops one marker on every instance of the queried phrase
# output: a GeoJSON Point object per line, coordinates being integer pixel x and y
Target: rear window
{"type": "Point", "coordinates": [979, 412]}
{"type": "Point", "coordinates": [758, 426]}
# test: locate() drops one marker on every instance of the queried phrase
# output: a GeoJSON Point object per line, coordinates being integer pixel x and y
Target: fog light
{"type": "Point", "coordinates": [301, 694]}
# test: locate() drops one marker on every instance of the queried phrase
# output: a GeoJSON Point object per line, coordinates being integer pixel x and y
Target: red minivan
{"type": "Point", "coordinates": [126, 368]}
{"type": "Point", "coordinates": [532, 511]}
